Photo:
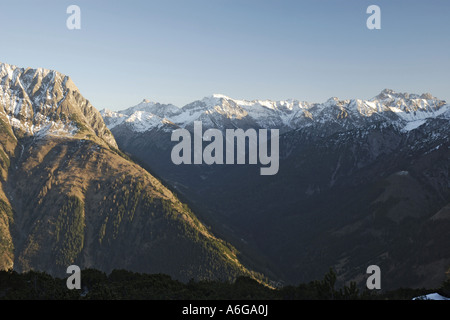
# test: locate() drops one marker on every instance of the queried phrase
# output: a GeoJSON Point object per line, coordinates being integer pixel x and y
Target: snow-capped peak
{"type": "Point", "coordinates": [29, 98]}
{"type": "Point", "coordinates": [389, 95]}
{"type": "Point", "coordinates": [42, 102]}
{"type": "Point", "coordinates": [220, 96]}
{"type": "Point", "coordinates": [411, 107]}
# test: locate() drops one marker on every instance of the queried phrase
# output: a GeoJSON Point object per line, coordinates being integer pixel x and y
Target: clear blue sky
{"type": "Point", "coordinates": [180, 51]}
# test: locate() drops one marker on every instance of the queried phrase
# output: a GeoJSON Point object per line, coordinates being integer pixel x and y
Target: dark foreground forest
{"type": "Point", "coordinates": [126, 285]}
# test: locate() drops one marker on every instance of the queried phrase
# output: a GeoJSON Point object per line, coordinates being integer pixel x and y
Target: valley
{"type": "Point", "coordinates": [359, 183]}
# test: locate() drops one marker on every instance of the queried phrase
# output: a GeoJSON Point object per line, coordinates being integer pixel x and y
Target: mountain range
{"type": "Point", "coordinates": [219, 111]}
{"type": "Point", "coordinates": [361, 182]}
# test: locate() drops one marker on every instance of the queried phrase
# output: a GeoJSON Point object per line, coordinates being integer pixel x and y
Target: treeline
{"type": "Point", "coordinates": [126, 285]}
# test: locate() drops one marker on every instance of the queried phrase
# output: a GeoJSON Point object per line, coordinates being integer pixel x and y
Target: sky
{"type": "Point", "coordinates": [179, 51]}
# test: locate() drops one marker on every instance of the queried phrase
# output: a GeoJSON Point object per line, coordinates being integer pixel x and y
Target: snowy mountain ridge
{"type": "Point", "coordinates": [408, 111]}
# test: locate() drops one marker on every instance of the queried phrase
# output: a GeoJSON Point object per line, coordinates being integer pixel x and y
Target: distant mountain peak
{"type": "Point", "coordinates": [332, 100]}
{"type": "Point", "coordinates": [428, 96]}
{"type": "Point", "coordinates": [388, 91]}
{"type": "Point", "coordinates": [387, 94]}
{"type": "Point", "coordinates": [221, 96]}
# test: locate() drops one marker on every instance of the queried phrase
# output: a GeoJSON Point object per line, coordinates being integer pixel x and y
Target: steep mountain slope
{"type": "Point", "coordinates": [69, 196]}
{"type": "Point", "coordinates": [361, 182]}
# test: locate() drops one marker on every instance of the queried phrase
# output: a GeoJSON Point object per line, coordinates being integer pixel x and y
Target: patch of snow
{"type": "Point", "coordinates": [432, 296]}
{"type": "Point", "coordinates": [413, 125]}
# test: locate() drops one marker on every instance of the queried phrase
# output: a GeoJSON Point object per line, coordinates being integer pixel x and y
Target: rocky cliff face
{"type": "Point", "coordinates": [39, 102]}
{"type": "Point", "coordinates": [69, 196]}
